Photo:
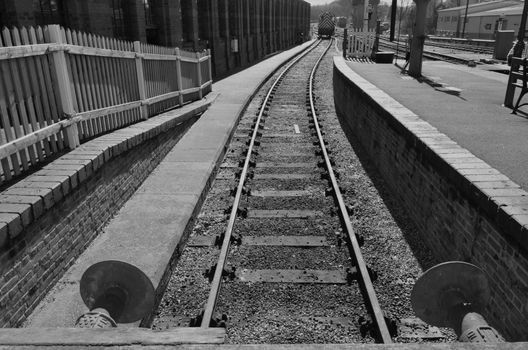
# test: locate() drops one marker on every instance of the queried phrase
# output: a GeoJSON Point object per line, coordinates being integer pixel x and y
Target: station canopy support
{"type": "Point", "coordinates": [418, 39]}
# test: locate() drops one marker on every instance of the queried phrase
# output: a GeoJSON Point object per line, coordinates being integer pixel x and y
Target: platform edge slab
{"type": "Point", "coordinates": [109, 337]}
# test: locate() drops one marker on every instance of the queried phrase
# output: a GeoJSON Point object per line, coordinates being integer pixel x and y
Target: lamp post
{"type": "Point", "coordinates": [365, 15]}
{"type": "Point", "coordinates": [519, 45]}
{"type": "Point", "coordinates": [465, 19]}
{"type": "Point", "coordinates": [518, 49]}
{"type": "Point", "coordinates": [393, 19]}
{"type": "Point", "coordinates": [500, 21]}
{"type": "Point", "coordinates": [418, 39]}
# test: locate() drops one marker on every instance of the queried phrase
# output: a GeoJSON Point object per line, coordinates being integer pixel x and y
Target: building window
{"type": "Point", "coordinates": [233, 19]}
{"type": "Point", "coordinates": [149, 18]}
{"type": "Point", "coordinates": [49, 12]}
{"type": "Point", "coordinates": [118, 19]}
{"type": "Point", "coordinates": [222, 13]}
{"type": "Point", "coordinates": [150, 23]}
{"type": "Point", "coordinates": [454, 19]}
{"type": "Point", "coordinates": [447, 19]}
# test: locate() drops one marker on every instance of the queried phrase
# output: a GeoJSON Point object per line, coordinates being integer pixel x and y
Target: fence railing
{"type": "Point", "coordinates": [59, 88]}
{"type": "Point", "coordinates": [360, 43]}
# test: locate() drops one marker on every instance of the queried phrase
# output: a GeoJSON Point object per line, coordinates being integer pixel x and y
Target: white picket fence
{"type": "Point", "coordinates": [360, 43]}
{"type": "Point", "coordinates": [59, 88]}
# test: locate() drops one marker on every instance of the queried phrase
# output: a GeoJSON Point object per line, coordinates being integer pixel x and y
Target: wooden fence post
{"type": "Point", "coordinates": [141, 80]}
{"type": "Point", "coordinates": [210, 65]}
{"type": "Point", "coordinates": [199, 75]}
{"type": "Point", "coordinates": [63, 85]}
{"type": "Point", "coordinates": [179, 74]}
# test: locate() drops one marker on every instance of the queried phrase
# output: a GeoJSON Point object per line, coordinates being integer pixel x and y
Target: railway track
{"type": "Point", "coordinates": [451, 46]}
{"type": "Point", "coordinates": [273, 256]}
{"type": "Point", "coordinates": [427, 53]}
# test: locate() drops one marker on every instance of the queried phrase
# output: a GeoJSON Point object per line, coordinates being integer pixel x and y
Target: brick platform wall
{"type": "Point", "coordinates": [34, 261]}
{"type": "Point", "coordinates": [449, 194]}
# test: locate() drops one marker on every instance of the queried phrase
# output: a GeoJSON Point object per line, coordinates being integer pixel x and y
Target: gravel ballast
{"type": "Point", "coordinates": [291, 312]}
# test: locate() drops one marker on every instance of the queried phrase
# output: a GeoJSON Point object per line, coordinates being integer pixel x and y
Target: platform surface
{"type": "Point", "coordinates": [475, 118]}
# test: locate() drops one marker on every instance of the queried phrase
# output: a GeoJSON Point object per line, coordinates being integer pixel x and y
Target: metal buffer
{"type": "Point", "coordinates": [115, 292]}
{"type": "Point", "coordinates": [453, 294]}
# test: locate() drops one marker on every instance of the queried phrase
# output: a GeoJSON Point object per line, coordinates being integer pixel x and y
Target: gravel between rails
{"type": "Point", "coordinates": [393, 246]}
{"type": "Point", "coordinates": [290, 313]}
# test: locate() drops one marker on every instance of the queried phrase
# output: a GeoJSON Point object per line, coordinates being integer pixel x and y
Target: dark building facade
{"type": "Point", "coordinates": [238, 32]}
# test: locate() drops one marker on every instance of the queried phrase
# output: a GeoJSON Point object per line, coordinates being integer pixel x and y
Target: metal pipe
{"type": "Point", "coordinates": [518, 48]}
{"type": "Point", "coordinates": [393, 19]}
{"type": "Point", "coordinates": [465, 19]}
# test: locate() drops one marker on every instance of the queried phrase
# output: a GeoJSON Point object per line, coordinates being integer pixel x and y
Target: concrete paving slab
{"type": "Point", "coordinates": [181, 178]}
{"type": "Point", "coordinates": [190, 154]}
{"type": "Point", "coordinates": [475, 119]}
{"type": "Point", "coordinates": [111, 337]}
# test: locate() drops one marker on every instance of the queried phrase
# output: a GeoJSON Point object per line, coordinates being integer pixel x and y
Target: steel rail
{"type": "Point", "coordinates": [217, 279]}
{"type": "Point", "coordinates": [434, 55]}
{"type": "Point", "coordinates": [360, 262]}
{"type": "Point", "coordinates": [453, 46]}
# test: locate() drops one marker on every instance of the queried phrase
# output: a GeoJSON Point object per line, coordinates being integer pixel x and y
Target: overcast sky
{"type": "Point", "coordinates": [322, 2]}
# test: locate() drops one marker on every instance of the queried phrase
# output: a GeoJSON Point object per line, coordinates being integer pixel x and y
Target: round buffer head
{"type": "Point", "coordinates": [446, 286]}
{"type": "Point", "coordinates": [118, 287]}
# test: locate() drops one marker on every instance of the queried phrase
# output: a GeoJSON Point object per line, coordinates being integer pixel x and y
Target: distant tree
{"type": "Point", "coordinates": [352, 9]}
{"type": "Point", "coordinates": [384, 11]}
{"type": "Point", "coordinates": [405, 17]}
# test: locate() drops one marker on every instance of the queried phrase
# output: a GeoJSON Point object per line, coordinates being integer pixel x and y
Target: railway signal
{"type": "Point", "coordinates": [115, 292]}
{"type": "Point", "coordinates": [453, 294]}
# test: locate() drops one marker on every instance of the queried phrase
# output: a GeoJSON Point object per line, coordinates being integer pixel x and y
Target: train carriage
{"type": "Point", "coordinates": [326, 26]}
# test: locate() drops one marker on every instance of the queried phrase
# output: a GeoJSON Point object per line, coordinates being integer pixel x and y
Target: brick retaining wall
{"type": "Point", "coordinates": [64, 206]}
{"type": "Point", "coordinates": [465, 209]}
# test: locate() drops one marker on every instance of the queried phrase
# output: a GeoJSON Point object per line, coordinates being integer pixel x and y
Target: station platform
{"type": "Point", "coordinates": [474, 117]}
{"type": "Point", "coordinates": [161, 212]}
{"type": "Point", "coordinates": [148, 231]}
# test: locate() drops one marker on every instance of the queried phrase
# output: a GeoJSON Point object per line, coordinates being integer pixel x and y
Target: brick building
{"type": "Point", "coordinates": [451, 20]}
{"type": "Point", "coordinates": [238, 32]}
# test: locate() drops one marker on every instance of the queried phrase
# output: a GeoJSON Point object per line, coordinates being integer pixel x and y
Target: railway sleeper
{"type": "Point", "coordinates": [297, 276]}
{"type": "Point", "coordinates": [360, 239]}
{"type": "Point", "coordinates": [322, 163]}
{"type": "Point", "coordinates": [312, 126]}
{"type": "Point", "coordinates": [226, 273]}
{"type": "Point", "coordinates": [303, 276]}
{"type": "Point", "coordinates": [320, 152]}
{"type": "Point", "coordinates": [330, 191]}
{"type": "Point", "coordinates": [245, 191]}
{"type": "Point", "coordinates": [326, 176]}
{"type": "Point", "coordinates": [215, 321]}
{"type": "Point", "coordinates": [234, 239]}
{"type": "Point", "coordinates": [249, 174]}
{"type": "Point", "coordinates": [262, 241]}
{"type": "Point", "coordinates": [256, 143]}
{"type": "Point", "coordinates": [368, 327]}
{"type": "Point", "coordinates": [242, 212]}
